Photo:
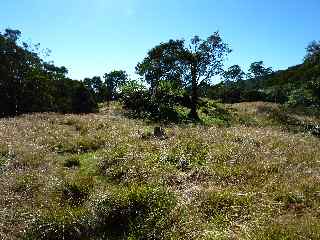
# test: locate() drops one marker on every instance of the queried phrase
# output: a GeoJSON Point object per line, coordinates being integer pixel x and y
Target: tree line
{"type": "Point", "coordinates": [173, 73]}
{"type": "Point", "coordinates": [297, 86]}
{"type": "Point", "coordinates": [30, 84]}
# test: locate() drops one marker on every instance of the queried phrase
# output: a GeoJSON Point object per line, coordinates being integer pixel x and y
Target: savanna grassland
{"type": "Point", "coordinates": [106, 176]}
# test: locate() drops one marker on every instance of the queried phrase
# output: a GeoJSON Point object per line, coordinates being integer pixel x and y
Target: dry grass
{"type": "Point", "coordinates": [252, 180]}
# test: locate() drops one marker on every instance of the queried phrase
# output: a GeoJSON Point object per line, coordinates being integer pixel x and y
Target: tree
{"type": "Point", "coordinates": [258, 70]}
{"type": "Point", "coordinates": [234, 73]}
{"type": "Point", "coordinates": [97, 88]}
{"type": "Point", "coordinates": [192, 64]}
{"type": "Point", "coordinates": [16, 63]}
{"type": "Point", "coordinates": [114, 80]}
{"type": "Point", "coordinates": [161, 63]}
{"type": "Point", "coordinates": [82, 100]}
{"type": "Point", "coordinates": [203, 59]}
{"type": "Point", "coordinates": [313, 53]}
{"type": "Point", "coordinates": [12, 35]}
{"type": "Point", "coordinates": [29, 84]}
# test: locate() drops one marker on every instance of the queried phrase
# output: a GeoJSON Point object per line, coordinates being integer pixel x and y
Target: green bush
{"type": "Point", "coordinates": [135, 213]}
{"type": "Point", "coordinates": [300, 97]}
{"type": "Point", "coordinates": [160, 105]}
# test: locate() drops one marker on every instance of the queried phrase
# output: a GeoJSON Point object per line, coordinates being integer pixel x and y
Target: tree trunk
{"type": "Point", "coordinates": [194, 94]}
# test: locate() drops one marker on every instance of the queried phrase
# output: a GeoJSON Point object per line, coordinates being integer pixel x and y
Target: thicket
{"type": "Point", "coordinates": [30, 84]}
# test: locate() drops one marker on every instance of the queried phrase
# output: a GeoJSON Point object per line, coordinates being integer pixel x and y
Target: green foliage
{"type": "Point", "coordinates": [300, 97]}
{"type": "Point", "coordinates": [290, 198]}
{"type": "Point", "coordinates": [216, 110]}
{"type": "Point", "coordinates": [234, 73]}
{"type": "Point", "coordinates": [191, 65]}
{"type": "Point", "coordinates": [97, 89]}
{"type": "Point", "coordinates": [161, 64]}
{"type": "Point", "coordinates": [82, 100]}
{"type": "Point", "coordinates": [258, 70]}
{"type": "Point", "coordinates": [29, 84]}
{"type": "Point", "coordinates": [161, 105]}
{"type": "Point", "coordinates": [114, 81]}
{"type": "Point", "coordinates": [135, 97]}
{"type": "Point", "coordinates": [138, 213]}
{"type": "Point", "coordinates": [313, 53]}
{"type": "Point", "coordinates": [296, 86]}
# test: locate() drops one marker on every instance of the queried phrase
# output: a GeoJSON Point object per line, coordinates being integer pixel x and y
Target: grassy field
{"type": "Point", "coordinates": [104, 176]}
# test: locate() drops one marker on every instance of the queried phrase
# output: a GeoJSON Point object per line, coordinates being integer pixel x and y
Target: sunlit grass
{"type": "Point", "coordinates": [250, 179]}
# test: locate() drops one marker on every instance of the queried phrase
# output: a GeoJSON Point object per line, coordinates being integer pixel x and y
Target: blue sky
{"type": "Point", "coordinates": [91, 37]}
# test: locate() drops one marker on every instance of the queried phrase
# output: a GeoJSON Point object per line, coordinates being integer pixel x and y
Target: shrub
{"type": "Point", "coordinates": [138, 213]}
{"type": "Point", "coordinates": [253, 96]}
{"type": "Point", "coordinates": [300, 97]}
{"type": "Point", "coordinates": [290, 198]}
{"type": "Point", "coordinates": [159, 105]}
{"type": "Point", "coordinates": [215, 114]}
{"type": "Point", "coordinates": [112, 158]}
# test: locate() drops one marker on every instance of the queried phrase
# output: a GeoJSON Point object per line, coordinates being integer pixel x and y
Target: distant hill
{"type": "Point", "coordinates": [297, 85]}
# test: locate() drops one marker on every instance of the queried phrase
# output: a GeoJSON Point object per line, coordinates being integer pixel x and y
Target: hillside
{"type": "Point", "coordinates": [297, 86]}
{"type": "Point", "coordinates": [105, 176]}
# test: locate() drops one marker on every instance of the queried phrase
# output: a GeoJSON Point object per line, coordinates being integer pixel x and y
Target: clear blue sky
{"type": "Point", "coordinates": [91, 37]}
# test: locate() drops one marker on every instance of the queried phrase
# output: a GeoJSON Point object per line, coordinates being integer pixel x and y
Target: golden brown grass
{"type": "Point", "coordinates": [252, 180]}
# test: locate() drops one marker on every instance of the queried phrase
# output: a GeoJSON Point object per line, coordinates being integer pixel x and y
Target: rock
{"type": "Point", "coordinates": [183, 164]}
{"type": "Point", "coordinates": [316, 131]}
{"type": "Point", "coordinates": [313, 129]}
{"type": "Point", "coordinates": [159, 132]}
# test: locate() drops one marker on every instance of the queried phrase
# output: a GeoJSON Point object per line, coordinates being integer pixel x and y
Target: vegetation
{"type": "Point", "coordinates": [297, 87]}
{"type": "Point", "coordinates": [167, 157]}
{"type": "Point", "coordinates": [255, 178]}
{"type": "Point", "coordinates": [30, 84]}
{"type": "Point", "coordinates": [182, 65]}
